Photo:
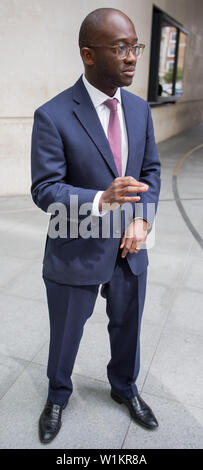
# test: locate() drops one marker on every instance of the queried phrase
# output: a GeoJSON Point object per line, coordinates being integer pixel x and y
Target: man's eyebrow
{"type": "Point", "coordinates": [125, 40]}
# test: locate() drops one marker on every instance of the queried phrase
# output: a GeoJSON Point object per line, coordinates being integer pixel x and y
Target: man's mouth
{"type": "Point", "coordinates": [129, 72]}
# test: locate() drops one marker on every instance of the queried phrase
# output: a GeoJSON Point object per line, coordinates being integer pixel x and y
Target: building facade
{"type": "Point", "coordinates": [40, 57]}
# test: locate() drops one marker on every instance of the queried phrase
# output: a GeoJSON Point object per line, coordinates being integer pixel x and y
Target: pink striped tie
{"type": "Point", "coordinates": [114, 133]}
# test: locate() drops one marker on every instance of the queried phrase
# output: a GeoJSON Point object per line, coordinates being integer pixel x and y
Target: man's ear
{"type": "Point", "coordinates": [87, 55]}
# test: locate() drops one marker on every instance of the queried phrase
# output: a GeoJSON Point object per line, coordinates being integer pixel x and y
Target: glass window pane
{"type": "Point", "coordinates": [180, 63]}
{"type": "Point", "coordinates": [173, 37]}
{"type": "Point", "coordinates": [167, 59]}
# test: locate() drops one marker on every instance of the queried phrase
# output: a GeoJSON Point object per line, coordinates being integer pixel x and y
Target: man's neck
{"type": "Point", "coordinates": [108, 91]}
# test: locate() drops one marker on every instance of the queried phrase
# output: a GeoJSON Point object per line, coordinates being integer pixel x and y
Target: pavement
{"type": "Point", "coordinates": [171, 374]}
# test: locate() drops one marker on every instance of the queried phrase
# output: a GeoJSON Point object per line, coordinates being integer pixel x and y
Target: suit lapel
{"type": "Point", "coordinates": [132, 131]}
{"type": "Point", "coordinates": [87, 115]}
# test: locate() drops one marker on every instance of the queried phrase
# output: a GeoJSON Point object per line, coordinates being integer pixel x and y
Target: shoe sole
{"type": "Point", "coordinates": [122, 402]}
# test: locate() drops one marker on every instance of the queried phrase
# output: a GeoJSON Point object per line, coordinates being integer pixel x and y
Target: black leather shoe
{"type": "Point", "coordinates": [50, 421]}
{"type": "Point", "coordinates": [139, 410]}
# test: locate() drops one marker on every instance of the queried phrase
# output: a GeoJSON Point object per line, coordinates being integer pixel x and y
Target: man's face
{"type": "Point", "coordinates": [108, 69]}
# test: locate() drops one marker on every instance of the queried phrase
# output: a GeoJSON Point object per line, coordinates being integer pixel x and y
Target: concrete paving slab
{"type": "Point", "coordinates": [18, 202]}
{"type": "Point", "coordinates": [191, 166]}
{"type": "Point", "coordinates": [165, 269]}
{"type": "Point", "coordinates": [176, 238]}
{"type": "Point", "coordinates": [22, 243]}
{"type": "Point", "coordinates": [11, 268]}
{"type": "Point", "coordinates": [27, 218]}
{"type": "Point", "coordinates": [29, 283]}
{"type": "Point", "coordinates": [90, 421]}
{"type": "Point", "coordinates": [193, 209]}
{"type": "Point", "coordinates": [196, 249]}
{"type": "Point", "coordinates": [157, 303]}
{"type": "Point", "coordinates": [24, 326]}
{"type": "Point", "coordinates": [186, 312]}
{"type": "Point", "coordinates": [180, 427]}
{"type": "Point", "coordinates": [192, 277]}
{"type": "Point", "coordinates": [176, 370]}
{"type": "Point", "coordinates": [10, 369]}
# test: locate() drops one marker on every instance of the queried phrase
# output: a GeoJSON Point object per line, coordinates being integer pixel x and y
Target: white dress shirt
{"type": "Point", "coordinates": [98, 98]}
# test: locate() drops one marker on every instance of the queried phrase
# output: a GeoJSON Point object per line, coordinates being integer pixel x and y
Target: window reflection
{"type": "Point", "coordinates": [180, 64]}
{"type": "Point", "coordinates": [167, 60]}
{"type": "Point", "coordinates": [169, 37]}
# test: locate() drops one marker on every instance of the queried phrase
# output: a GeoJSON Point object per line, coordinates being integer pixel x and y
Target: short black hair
{"type": "Point", "coordinates": [91, 23]}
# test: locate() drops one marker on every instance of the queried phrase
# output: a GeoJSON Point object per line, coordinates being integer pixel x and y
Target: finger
{"type": "Point", "coordinates": [134, 249]}
{"type": "Point", "coordinates": [125, 249]}
{"type": "Point", "coordinates": [129, 199]}
{"type": "Point", "coordinates": [127, 246]}
{"type": "Point", "coordinates": [123, 242]}
{"type": "Point", "coordinates": [130, 180]}
{"type": "Point", "coordinates": [135, 189]}
{"type": "Point", "coordinates": [134, 246]}
{"type": "Point", "coordinates": [124, 252]}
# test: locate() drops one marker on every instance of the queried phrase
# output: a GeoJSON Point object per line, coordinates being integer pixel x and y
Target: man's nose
{"type": "Point", "coordinates": [131, 58]}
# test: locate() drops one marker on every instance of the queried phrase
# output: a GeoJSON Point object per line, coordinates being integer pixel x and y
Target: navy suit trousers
{"type": "Point", "coordinates": [71, 306]}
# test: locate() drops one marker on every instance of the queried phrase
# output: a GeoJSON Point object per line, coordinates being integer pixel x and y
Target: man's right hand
{"type": "Point", "coordinates": [116, 193]}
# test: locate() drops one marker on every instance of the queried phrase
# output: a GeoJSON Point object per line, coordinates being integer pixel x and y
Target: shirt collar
{"type": "Point", "coordinates": [97, 96]}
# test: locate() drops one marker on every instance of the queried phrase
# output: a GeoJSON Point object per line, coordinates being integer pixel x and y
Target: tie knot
{"type": "Point", "coordinates": [112, 104]}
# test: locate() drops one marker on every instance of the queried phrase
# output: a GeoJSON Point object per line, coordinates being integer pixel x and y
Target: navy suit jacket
{"type": "Point", "coordinates": [71, 155]}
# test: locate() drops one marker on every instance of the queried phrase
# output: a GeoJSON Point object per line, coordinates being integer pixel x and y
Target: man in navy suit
{"type": "Point", "coordinates": [93, 147]}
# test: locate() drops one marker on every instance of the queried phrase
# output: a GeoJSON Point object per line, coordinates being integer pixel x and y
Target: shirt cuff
{"type": "Point", "coordinates": [95, 205]}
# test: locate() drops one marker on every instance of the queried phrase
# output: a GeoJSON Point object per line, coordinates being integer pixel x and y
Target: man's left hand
{"type": "Point", "coordinates": [134, 237]}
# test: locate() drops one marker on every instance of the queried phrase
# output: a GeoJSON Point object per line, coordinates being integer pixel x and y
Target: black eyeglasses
{"type": "Point", "coordinates": [122, 50]}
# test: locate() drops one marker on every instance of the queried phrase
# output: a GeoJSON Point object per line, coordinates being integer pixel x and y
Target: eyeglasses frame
{"type": "Point", "coordinates": [141, 46]}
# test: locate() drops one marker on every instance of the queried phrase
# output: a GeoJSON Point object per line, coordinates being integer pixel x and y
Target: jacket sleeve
{"type": "Point", "coordinates": [49, 167]}
{"type": "Point", "coordinates": [150, 174]}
